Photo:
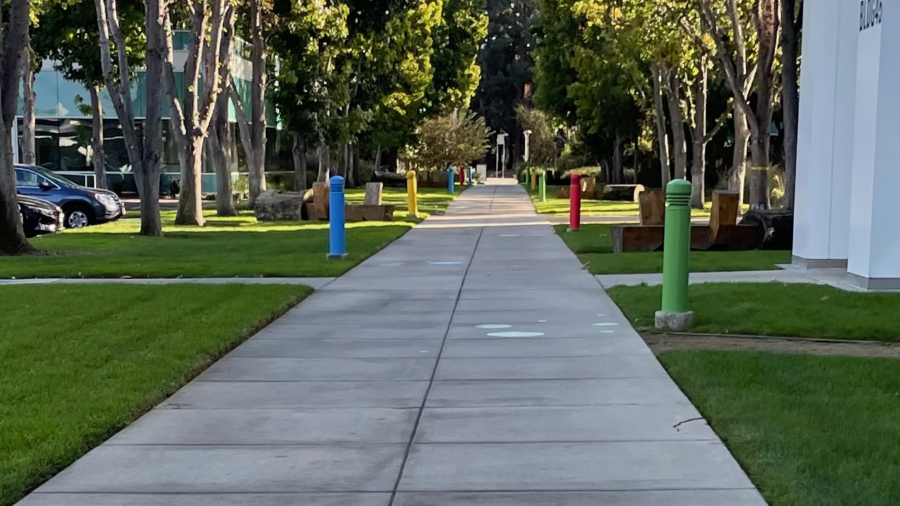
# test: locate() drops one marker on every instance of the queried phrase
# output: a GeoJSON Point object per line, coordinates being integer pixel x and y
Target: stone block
{"type": "Point", "coordinates": [274, 205]}
{"type": "Point", "coordinates": [373, 194]}
{"type": "Point", "coordinates": [675, 322]}
{"type": "Point", "coordinates": [367, 212]}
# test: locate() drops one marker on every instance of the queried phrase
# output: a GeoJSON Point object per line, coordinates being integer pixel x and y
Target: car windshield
{"type": "Point", "coordinates": [59, 180]}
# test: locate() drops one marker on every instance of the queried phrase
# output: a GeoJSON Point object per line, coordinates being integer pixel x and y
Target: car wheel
{"type": "Point", "coordinates": [77, 217]}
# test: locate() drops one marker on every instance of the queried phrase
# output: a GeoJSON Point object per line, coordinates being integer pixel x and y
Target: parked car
{"type": "Point", "coordinates": [82, 206]}
{"type": "Point", "coordinates": [39, 216]}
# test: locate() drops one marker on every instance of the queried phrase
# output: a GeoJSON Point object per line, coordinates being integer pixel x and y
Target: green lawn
{"type": "Point", "coordinates": [558, 206]}
{"type": "Point", "coordinates": [80, 362]}
{"type": "Point", "coordinates": [593, 245]}
{"type": "Point", "coordinates": [431, 200]}
{"type": "Point", "coordinates": [810, 430]}
{"type": "Point", "coordinates": [775, 309]}
{"type": "Point", "coordinates": [225, 247]}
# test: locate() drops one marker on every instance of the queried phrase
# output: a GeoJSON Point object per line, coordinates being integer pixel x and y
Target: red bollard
{"type": "Point", "coordinates": [575, 203]}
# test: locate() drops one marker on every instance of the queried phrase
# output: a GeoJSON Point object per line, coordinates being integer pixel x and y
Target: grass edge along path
{"type": "Point", "coordinates": [774, 309]}
{"type": "Point", "coordinates": [593, 245]}
{"type": "Point", "coordinates": [227, 247]}
{"type": "Point", "coordinates": [72, 381]}
{"type": "Point", "coordinates": [809, 430]}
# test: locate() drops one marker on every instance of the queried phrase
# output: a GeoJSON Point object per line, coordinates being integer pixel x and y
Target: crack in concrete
{"type": "Point", "coordinates": [679, 424]}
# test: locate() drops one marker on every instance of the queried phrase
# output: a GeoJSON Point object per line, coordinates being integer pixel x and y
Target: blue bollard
{"type": "Point", "coordinates": [451, 181]}
{"type": "Point", "coordinates": [337, 243]}
{"type": "Point", "coordinates": [469, 179]}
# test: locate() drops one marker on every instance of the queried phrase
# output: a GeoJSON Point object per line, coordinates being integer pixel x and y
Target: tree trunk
{"type": "Point", "coordinates": [766, 14]}
{"type": "Point", "coordinates": [29, 156]}
{"type": "Point", "coordinates": [12, 236]}
{"type": "Point", "coordinates": [378, 158]}
{"type": "Point", "coordinates": [299, 153]}
{"type": "Point", "coordinates": [673, 94]}
{"type": "Point", "coordinates": [661, 133]}
{"type": "Point", "coordinates": [738, 172]}
{"type": "Point", "coordinates": [151, 160]}
{"type": "Point", "coordinates": [219, 142]}
{"type": "Point", "coordinates": [698, 165]}
{"type": "Point", "coordinates": [190, 200]}
{"type": "Point", "coordinates": [98, 159]}
{"type": "Point", "coordinates": [357, 174]}
{"type": "Point", "coordinates": [759, 178]}
{"type": "Point", "coordinates": [257, 102]}
{"type": "Point", "coordinates": [323, 164]}
{"type": "Point", "coordinates": [790, 97]}
{"type": "Point", "coordinates": [618, 163]}
{"type": "Point", "coordinates": [192, 114]}
{"type": "Point", "coordinates": [14, 42]}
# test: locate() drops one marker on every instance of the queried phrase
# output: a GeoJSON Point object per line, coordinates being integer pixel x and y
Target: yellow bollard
{"type": "Point", "coordinates": [412, 189]}
{"type": "Point", "coordinates": [533, 179]}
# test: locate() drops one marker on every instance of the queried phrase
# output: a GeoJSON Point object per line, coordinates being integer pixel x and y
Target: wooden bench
{"type": "Point", "coordinates": [623, 192]}
{"type": "Point", "coordinates": [721, 234]}
{"type": "Point", "coordinates": [589, 190]}
{"type": "Point", "coordinates": [317, 206]}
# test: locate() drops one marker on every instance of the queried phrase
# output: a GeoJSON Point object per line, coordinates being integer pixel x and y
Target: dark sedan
{"type": "Point", "coordinates": [39, 216]}
{"type": "Point", "coordinates": [82, 206]}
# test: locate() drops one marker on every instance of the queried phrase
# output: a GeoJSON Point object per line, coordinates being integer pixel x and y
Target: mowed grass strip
{"type": "Point", "coordinates": [593, 245]}
{"type": "Point", "coordinates": [774, 309]}
{"type": "Point", "coordinates": [809, 430]}
{"type": "Point", "coordinates": [225, 247]}
{"type": "Point", "coordinates": [80, 362]}
{"type": "Point", "coordinates": [430, 200]}
{"type": "Point", "coordinates": [589, 207]}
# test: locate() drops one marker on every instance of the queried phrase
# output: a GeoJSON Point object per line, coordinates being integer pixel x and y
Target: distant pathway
{"type": "Point", "coordinates": [470, 363]}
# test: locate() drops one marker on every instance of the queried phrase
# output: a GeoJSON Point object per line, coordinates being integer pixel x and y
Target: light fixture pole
{"type": "Point", "coordinates": [501, 141]}
{"type": "Point", "coordinates": [527, 145]}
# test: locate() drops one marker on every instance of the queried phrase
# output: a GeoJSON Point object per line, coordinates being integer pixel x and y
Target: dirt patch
{"type": "Point", "coordinates": [670, 342]}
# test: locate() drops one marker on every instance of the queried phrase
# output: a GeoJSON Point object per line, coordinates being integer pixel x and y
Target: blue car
{"type": "Point", "coordinates": [82, 206]}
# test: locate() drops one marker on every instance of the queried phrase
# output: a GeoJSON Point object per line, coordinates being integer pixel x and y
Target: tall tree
{"type": "Point", "coordinates": [13, 41]}
{"type": "Point", "coordinates": [192, 115]}
{"type": "Point", "coordinates": [390, 69]}
{"type": "Point", "coordinates": [144, 145]}
{"type": "Point", "coordinates": [310, 38]}
{"type": "Point", "coordinates": [219, 142]}
{"type": "Point", "coordinates": [506, 68]}
{"type": "Point", "coordinates": [791, 13]}
{"type": "Point", "coordinates": [68, 36]}
{"type": "Point", "coordinates": [732, 59]}
{"type": "Point", "coordinates": [455, 42]}
{"type": "Point", "coordinates": [251, 118]}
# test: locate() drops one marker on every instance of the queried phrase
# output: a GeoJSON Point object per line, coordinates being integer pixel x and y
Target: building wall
{"type": "Point", "coordinates": [63, 124]}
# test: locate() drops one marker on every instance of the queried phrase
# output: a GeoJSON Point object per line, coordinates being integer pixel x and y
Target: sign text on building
{"type": "Point", "coordinates": [870, 12]}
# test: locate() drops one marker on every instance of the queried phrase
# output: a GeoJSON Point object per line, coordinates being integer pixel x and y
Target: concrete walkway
{"type": "Point", "coordinates": [832, 277]}
{"type": "Point", "coordinates": [470, 363]}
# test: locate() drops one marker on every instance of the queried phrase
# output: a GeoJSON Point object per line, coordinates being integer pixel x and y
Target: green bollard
{"type": "Point", "coordinates": [542, 185]}
{"type": "Point", "coordinates": [675, 314]}
{"type": "Point", "coordinates": [527, 179]}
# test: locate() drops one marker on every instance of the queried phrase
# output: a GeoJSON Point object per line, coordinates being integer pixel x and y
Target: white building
{"type": "Point", "coordinates": [847, 210]}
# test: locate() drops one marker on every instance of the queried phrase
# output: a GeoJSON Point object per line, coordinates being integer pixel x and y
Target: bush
{"type": "Point", "coordinates": [584, 171]}
{"type": "Point", "coordinates": [280, 181]}
{"type": "Point", "coordinates": [241, 185]}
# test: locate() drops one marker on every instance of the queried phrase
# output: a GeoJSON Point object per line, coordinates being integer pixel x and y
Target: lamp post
{"type": "Point", "coordinates": [527, 145]}
{"type": "Point", "coordinates": [501, 141]}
